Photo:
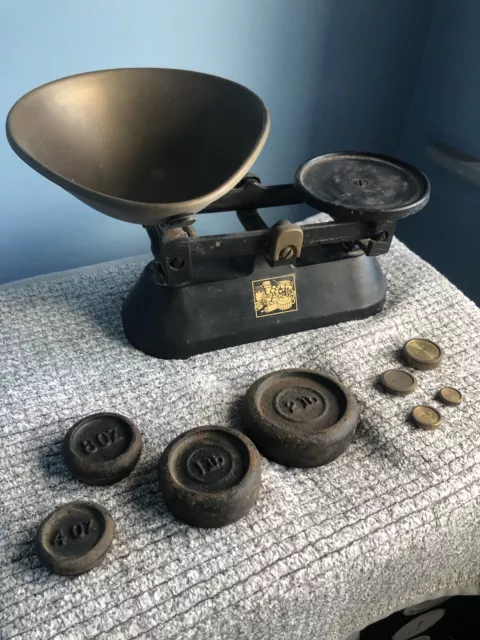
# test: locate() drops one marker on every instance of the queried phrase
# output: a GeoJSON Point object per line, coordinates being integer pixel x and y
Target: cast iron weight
{"type": "Point", "coordinates": [74, 538]}
{"type": "Point", "coordinates": [102, 448]}
{"type": "Point", "coordinates": [210, 476]}
{"type": "Point", "coordinates": [300, 417]}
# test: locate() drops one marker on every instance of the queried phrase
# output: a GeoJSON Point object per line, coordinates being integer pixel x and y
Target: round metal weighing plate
{"type": "Point", "coordinates": [210, 476]}
{"type": "Point", "coordinates": [353, 185]}
{"type": "Point", "coordinates": [450, 396]}
{"type": "Point", "coordinates": [300, 417]}
{"type": "Point", "coordinates": [102, 448]}
{"type": "Point", "coordinates": [397, 382]}
{"type": "Point", "coordinates": [422, 354]}
{"type": "Point", "coordinates": [74, 538]}
{"type": "Point", "coordinates": [426, 417]}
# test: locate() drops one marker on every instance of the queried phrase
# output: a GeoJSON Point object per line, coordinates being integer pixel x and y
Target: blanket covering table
{"type": "Point", "coordinates": [325, 551]}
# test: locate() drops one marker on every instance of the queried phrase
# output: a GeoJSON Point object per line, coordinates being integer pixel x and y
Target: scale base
{"type": "Point", "coordinates": [179, 322]}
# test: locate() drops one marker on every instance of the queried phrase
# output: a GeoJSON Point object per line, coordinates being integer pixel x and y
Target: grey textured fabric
{"type": "Point", "coordinates": [325, 551]}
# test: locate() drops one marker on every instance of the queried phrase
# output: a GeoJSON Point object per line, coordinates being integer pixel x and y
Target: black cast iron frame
{"type": "Point", "coordinates": [184, 258]}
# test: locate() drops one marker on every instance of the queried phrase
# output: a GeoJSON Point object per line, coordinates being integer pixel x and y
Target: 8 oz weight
{"type": "Point", "coordinates": [104, 439]}
{"type": "Point", "coordinates": [102, 448]}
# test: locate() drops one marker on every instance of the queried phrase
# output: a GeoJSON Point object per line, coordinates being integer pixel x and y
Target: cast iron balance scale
{"type": "Point", "coordinates": [158, 147]}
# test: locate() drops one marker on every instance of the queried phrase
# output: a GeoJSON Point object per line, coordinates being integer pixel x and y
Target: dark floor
{"type": "Point", "coordinates": [456, 618]}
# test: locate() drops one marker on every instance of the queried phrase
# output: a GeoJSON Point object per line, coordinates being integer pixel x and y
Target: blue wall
{"type": "Point", "coordinates": [334, 73]}
{"type": "Point", "coordinates": [446, 109]}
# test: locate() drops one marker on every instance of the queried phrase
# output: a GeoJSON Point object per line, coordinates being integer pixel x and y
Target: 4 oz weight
{"type": "Point", "coordinates": [74, 538]}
